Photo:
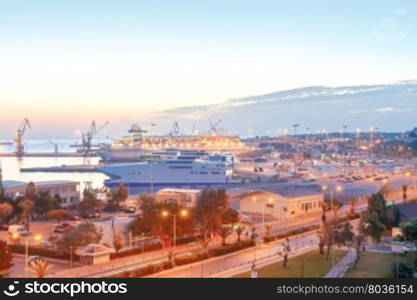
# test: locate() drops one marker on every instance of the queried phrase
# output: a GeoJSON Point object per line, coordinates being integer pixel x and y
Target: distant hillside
{"type": "Point", "coordinates": [390, 107]}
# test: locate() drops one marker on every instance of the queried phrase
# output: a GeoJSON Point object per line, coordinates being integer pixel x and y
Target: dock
{"type": "Point", "coordinates": [48, 154]}
{"type": "Point", "coordinates": [64, 169]}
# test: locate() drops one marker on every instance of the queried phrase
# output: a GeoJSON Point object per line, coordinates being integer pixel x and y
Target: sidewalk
{"type": "Point", "coordinates": [343, 265]}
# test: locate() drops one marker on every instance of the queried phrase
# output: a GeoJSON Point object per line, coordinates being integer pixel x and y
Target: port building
{"type": "Point", "coordinates": [67, 190]}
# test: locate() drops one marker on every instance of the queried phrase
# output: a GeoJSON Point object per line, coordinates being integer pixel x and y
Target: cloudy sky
{"type": "Point", "coordinates": [68, 62]}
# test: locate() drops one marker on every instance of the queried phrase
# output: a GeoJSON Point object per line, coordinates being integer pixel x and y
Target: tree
{"type": "Point", "coordinates": [410, 230]}
{"type": "Point", "coordinates": [59, 214]}
{"type": "Point", "coordinates": [84, 234]}
{"type": "Point", "coordinates": [268, 228]}
{"type": "Point", "coordinates": [333, 205]}
{"type": "Point", "coordinates": [359, 239]}
{"type": "Point", "coordinates": [377, 205]}
{"type": "Point", "coordinates": [402, 270]}
{"type": "Point", "coordinates": [116, 196]}
{"type": "Point", "coordinates": [118, 242]}
{"type": "Point", "coordinates": [151, 221]}
{"type": "Point", "coordinates": [210, 208]}
{"type": "Point", "coordinates": [352, 210]}
{"type": "Point", "coordinates": [40, 267]}
{"type": "Point", "coordinates": [286, 249]}
{"type": "Point", "coordinates": [322, 241]}
{"type": "Point", "coordinates": [6, 211]}
{"type": "Point", "coordinates": [204, 241]}
{"type": "Point", "coordinates": [373, 227]}
{"type": "Point", "coordinates": [253, 234]}
{"type": "Point", "coordinates": [5, 256]}
{"type": "Point", "coordinates": [404, 188]}
{"type": "Point", "coordinates": [89, 203]}
{"type": "Point", "coordinates": [43, 202]}
{"type": "Point", "coordinates": [393, 216]}
{"type": "Point", "coordinates": [239, 230]}
{"type": "Point", "coordinates": [224, 232]}
{"type": "Point", "coordinates": [230, 216]}
{"type": "Point", "coordinates": [345, 235]}
{"type": "Point", "coordinates": [26, 205]}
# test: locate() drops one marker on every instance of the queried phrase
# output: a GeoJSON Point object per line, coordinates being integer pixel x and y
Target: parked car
{"type": "Point", "coordinates": [18, 229]}
{"type": "Point", "coordinates": [75, 218]}
{"type": "Point", "coordinates": [34, 258]}
{"type": "Point", "coordinates": [130, 210]}
{"type": "Point", "coordinates": [46, 244]}
{"type": "Point", "coordinates": [62, 227]}
{"type": "Point", "coordinates": [4, 227]}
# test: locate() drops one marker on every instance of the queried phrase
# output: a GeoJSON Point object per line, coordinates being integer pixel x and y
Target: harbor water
{"type": "Point", "coordinates": [11, 165]}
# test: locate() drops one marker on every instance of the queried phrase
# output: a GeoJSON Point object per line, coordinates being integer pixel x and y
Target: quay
{"type": "Point", "coordinates": [48, 154]}
{"type": "Point", "coordinates": [64, 168]}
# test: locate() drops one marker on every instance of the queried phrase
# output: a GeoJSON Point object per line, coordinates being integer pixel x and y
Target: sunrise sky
{"type": "Point", "coordinates": [68, 62]}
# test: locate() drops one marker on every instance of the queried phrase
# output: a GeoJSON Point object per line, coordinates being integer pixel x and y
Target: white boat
{"type": "Point", "coordinates": [137, 143]}
{"type": "Point", "coordinates": [181, 170]}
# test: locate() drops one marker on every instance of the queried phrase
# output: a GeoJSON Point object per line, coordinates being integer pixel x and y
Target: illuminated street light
{"type": "Point", "coordinates": [183, 213]}
{"type": "Point", "coordinates": [36, 238]}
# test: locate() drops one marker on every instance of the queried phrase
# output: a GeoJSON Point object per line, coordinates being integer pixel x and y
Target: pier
{"type": "Point", "coordinates": [48, 154]}
{"type": "Point", "coordinates": [64, 169]}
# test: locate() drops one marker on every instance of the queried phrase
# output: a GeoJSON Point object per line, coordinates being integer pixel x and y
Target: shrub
{"type": "Point", "coordinates": [404, 270]}
{"type": "Point", "coordinates": [187, 259]}
{"type": "Point", "coordinates": [222, 250]}
{"type": "Point", "coordinates": [135, 251]}
{"type": "Point", "coordinates": [51, 253]}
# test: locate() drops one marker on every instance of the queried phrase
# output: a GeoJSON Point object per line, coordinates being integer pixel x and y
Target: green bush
{"type": "Point", "coordinates": [404, 270]}
{"type": "Point", "coordinates": [222, 250]}
{"type": "Point", "coordinates": [135, 251]}
{"type": "Point", "coordinates": [51, 253]}
{"type": "Point", "coordinates": [187, 259]}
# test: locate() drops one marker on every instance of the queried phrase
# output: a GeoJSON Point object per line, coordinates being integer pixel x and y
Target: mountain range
{"type": "Point", "coordinates": [387, 107]}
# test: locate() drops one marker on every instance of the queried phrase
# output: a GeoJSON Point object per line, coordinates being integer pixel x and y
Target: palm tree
{"type": "Point", "coordinates": [224, 232]}
{"type": "Point", "coordinates": [239, 230]}
{"type": "Point", "coordinates": [26, 205]}
{"type": "Point", "coordinates": [335, 208]}
{"type": "Point", "coordinates": [204, 241]}
{"type": "Point", "coordinates": [286, 249]}
{"type": "Point", "coordinates": [352, 203]}
{"type": "Point", "coordinates": [40, 267]}
{"type": "Point", "coordinates": [268, 228]}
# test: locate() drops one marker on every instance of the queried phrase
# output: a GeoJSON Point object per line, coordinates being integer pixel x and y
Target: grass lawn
{"type": "Point", "coordinates": [315, 265]}
{"type": "Point", "coordinates": [375, 265]}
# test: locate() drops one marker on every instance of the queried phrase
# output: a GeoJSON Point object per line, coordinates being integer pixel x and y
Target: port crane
{"type": "Point", "coordinates": [295, 126]}
{"type": "Point", "coordinates": [55, 145]}
{"type": "Point", "coordinates": [215, 126]}
{"type": "Point", "coordinates": [175, 129]}
{"type": "Point", "coordinates": [87, 138]}
{"type": "Point", "coordinates": [20, 148]}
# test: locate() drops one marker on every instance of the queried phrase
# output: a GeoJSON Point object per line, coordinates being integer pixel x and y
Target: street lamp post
{"type": "Point", "coordinates": [183, 213]}
{"type": "Point", "coordinates": [36, 238]}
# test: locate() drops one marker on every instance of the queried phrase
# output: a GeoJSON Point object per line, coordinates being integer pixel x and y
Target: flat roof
{"type": "Point", "coordinates": [15, 183]}
{"type": "Point", "coordinates": [408, 210]}
{"type": "Point", "coordinates": [173, 190]}
{"type": "Point", "coordinates": [288, 191]}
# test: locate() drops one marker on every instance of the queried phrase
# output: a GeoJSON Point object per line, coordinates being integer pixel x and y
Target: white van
{"type": "Point", "coordinates": [18, 229]}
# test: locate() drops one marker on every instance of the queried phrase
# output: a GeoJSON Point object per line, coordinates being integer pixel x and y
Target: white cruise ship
{"type": "Point", "coordinates": [137, 143]}
{"type": "Point", "coordinates": [181, 170]}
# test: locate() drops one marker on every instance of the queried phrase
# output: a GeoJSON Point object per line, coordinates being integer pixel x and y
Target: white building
{"type": "Point", "coordinates": [288, 205]}
{"type": "Point", "coordinates": [186, 197]}
{"type": "Point", "coordinates": [67, 190]}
